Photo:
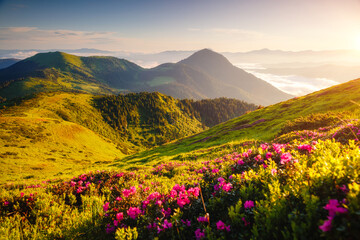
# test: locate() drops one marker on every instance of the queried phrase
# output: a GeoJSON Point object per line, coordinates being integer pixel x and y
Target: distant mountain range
{"type": "Point", "coordinates": [205, 74]}
{"type": "Point", "coordinates": [4, 63]}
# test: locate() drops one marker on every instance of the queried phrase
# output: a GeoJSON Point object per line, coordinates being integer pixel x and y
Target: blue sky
{"type": "Point", "coordinates": [158, 25]}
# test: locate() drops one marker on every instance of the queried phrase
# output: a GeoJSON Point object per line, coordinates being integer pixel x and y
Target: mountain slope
{"type": "Point", "coordinates": [205, 74]}
{"type": "Point", "coordinates": [260, 125]}
{"type": "Point", "coordinates": [231, 78]}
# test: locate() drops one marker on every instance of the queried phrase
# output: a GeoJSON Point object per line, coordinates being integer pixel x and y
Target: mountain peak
{"type": "Point", "coordinates": [206, 57]}
{"type": "Point", "coordinates": [55, 59]}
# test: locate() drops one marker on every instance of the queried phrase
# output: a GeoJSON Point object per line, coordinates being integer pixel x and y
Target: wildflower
{"type": "Point", "coordinates": [22, 194]}
{"type": "Point", "coordinates": [264, 146]}
{"type": "Point", "coordinates": [120, 216]}
{"type": "Point", "coordinates": [150, 226]}
{"type": "Point", "coordinates": [116, 223]}
{"type": "Point", "coordinates": [245, 222]}
{"type": "Point", "coordinates": [186, 222]}
{"type": "Point", "coordinates": [241, 162]}
{"type": "Point", "coordinates": [227, 187]}
{"type": "Point", "coordinates": [305, 147]}
{"type": "Point", "coordinates": [326, 225]}
{"type": "Point", "coordinates": [167, 224]}
{"type": "Point", "coordinates": [273, 171]}
{"type": "Point", "coordinates": [110, 229]}
{"type": "Point", "coordinates": [106, 207]}
{"type": "Point", "coordinates": [334, 207]}
{"type": "Point", "coordinates": [128, 192]}
{"type": "Point", "coordinates": [221, 179]}
{"type": "Point", "coordinates": [285, 158]}
{"type": "Point", "coordinates": [133, 212]}
{"type": "Point", "coordinates": [203, 219]}
{"type": "Point", "coordinates": [221, 226]}
{"type": "Point", "coordinates": [194, 191]}
{"type": "Point", "coordinates": [268, 155]}
{"type": "Point", "coordinates": [167, 213]}
{"type": "Point", "coordinates": [182, 200]}
{"type": "Point", "coordinates": [6, 203]}
{"type": "Point", "coordinates": [215, 170]}
{"type": "Point", "coordinates": [249, 204]}
{"type": "Point", "coordinates": [199, 234]}
{"type": "Point", "coordinates": [344, 189]}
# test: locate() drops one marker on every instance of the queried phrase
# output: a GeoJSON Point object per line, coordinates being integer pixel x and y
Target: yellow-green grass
{"type": "Point", "coordinates": [40, 148]}
{"type": "Point", "coordinates": [260, 125]}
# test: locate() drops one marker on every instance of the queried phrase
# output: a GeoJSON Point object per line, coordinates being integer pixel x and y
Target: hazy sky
{"type": "Point", "coordinates": [157, 25]}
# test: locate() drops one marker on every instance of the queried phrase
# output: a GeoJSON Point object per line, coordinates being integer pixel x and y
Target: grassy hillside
{"type": "Point", "coordinates": [224, 183]}
{"type": "Point", "coordinates": [37, 148]}
{"type": "Point", "coordinates": [121, 125]}
{"type": "Point", "coordinates": [260, 125]}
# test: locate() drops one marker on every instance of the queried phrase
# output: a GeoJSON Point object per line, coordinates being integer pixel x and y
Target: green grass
{"type": "Point", "coordinates": [260, 125]}
{"type": "Point", "coordinates": [37, 148]}
{"type": "Point", "coordinates": [157, 81]}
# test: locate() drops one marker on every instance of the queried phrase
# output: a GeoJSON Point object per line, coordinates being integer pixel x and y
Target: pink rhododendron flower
{"type": "Point", "coordinates": [221, 179]}
{"type": "Point", "coordinates": [334, 207]}
{"type": "Point", "coordinates": [120, 216]}
{"type": "Point", "coordinates": [305, 147]}
{"type": "Point", "coordinates": [167, 213]}
{"type": "Point", "coordinates": [133, 212]}
{"type": "Point", "coordinates": [268, 155]}
{"type": "Point", "coordinates": [110, 229]}
{"type": "Point", "coordinates": [186, 222]}
{"type": "Point", "coordinates": [182, 200]}
{"type": "Point", "coordinates": [199, 234]}
{"type": "Point", "coordinates": [215, 170]}
{"type": "Point", "coordinates": [106, 207]}
{"type": "Point", "coordinates": [327, 225]}
{"type": "Point", "coordinates": [194, 191]}
{"type": "Point", "coordinates": [285, 158]}
{"type": "Point", "coordinates": [227, 187]}
{"type": "Point", "coordinates": [241, 162]}
{"type": "Point", "coordinates": [221, 226]}
{"type": "Point", "coordinates": [167, 224]}
{"type": "Point", "coordinates": [128, 192]}
{"type": "Point", "coordinates": [203, 219]}
{"type": "Point", "coordinates": [278, 147]}
{"type": "Point", "coordinates": [249, 204]}
{"type": "Point", "coordinates": [264, 146]}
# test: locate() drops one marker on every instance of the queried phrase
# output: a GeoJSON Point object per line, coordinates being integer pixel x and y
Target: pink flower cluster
{"type": "Point", "coordinates": [333, 208]}
{"type": "Point", "coordinates": [221, 226]}
{"type": "Point", "coordinates": [305, 147]}
{"type": "Point", "coordinates": [128, 192]}
{"type": "Point", "coordinates": [285, 158]}
{"type": "Point", "coordinates": [249, 204]}
{"type": "Point", "coordinates": [223, 185]}
{"type": "Point", "coordinates": [134, 212]}
{"type": "Point", "coordinates": [199, 234]}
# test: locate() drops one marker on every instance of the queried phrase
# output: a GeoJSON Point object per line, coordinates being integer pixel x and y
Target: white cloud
{"type": "Point", "coordinates": [295, 85]}
{"type": "Point", "coordinates": [32, 37]}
